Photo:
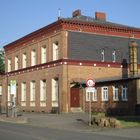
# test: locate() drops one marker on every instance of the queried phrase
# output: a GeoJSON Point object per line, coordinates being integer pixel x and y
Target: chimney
{"type": "Point", "coordinates": [76, 13]}
{"type": "Point", "coordinates": [100, 16]}
{"type": "Point", "coordinates": [133, 56]}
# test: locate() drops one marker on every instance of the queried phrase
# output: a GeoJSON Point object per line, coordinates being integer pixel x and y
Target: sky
{"type": "Point", "coordinates": [21, 17]}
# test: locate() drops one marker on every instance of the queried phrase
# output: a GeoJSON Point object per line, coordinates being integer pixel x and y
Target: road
{"type": "Point", "coordinates": [10, 131]}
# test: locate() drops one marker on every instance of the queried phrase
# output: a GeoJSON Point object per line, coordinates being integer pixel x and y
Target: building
{"type": "Point", "coordinates": [50, 66]}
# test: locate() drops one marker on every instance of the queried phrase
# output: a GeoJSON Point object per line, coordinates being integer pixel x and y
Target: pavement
{"type": "Point", "coordinates": [72, 122]}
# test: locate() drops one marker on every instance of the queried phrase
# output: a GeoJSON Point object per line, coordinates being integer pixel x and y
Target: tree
{"type": "Point", "coordinates": [2, 61]}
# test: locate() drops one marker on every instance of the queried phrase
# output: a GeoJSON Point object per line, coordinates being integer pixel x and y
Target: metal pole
{"type": "Point", "coordinates": [6, 105]}
{"type": "Point", "coordinates": [90, 110]}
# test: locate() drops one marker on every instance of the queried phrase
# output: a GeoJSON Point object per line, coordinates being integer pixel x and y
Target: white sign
{"type": "Point", "coordinates": [90, 89]}
{"type": "Point", "coordinates": [13, 87]}
{"type": "Point", "coordinates": [90, 83]}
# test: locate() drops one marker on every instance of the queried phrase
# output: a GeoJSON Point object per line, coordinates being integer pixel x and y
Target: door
{"type": "Point", "coordinates": [74, 97]}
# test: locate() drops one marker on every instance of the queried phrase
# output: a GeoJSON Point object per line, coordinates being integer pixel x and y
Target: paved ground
{"type": "Point", "coordinates": [76, 123]}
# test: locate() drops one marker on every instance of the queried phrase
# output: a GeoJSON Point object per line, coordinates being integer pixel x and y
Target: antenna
{"type": "Point", "coordinates": [59, 13]}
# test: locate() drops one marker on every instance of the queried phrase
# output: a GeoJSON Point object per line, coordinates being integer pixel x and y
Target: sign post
{"type": "Point", "coordinates": [90, 88]}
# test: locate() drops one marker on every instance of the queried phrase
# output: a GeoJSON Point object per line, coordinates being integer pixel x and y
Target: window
{"type": "Point", "coordinates": [24, 60]}
{"type": "Point", "coordinates": [23, 91]}
{"type": "Point", "coordinates": [55, 51]}
{"type": "Point", "coordinates": [9, 65]}
{"type": "Point", "coordinates": [43, 54]}
{"type": "Point", "coordinates": [124, 93]}
{"type": "Point", "coordinates": [103, 55]}
{"type": "Point", "coordinates": [113, 56]}
{"type": "Point", "coordinates": [104, 93]}
{"type": "Point", "coordinates": [55, 93]}
{"type": "Point", "coordinates": [94, 95]}
{"type": "Point", "coordinates": [115, 93]}
{"type": "Point", "coordinates": [33, 57]}
{"type": "Point", "coordinates": [16, 63]}
{"type": "Point", "coordinates": [0, 89]}
{"type": "Point", "coordinates": [32, 91]}
{"type": "Point", "coordinates": [9, 93]}
{"type": "Point", "coordinates": [88, 96]}
{"type": "Point", "coordinates": [43, 90]}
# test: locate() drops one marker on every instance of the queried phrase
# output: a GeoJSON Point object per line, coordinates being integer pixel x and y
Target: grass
{"type": "Point", "coordinates": [129, 121]}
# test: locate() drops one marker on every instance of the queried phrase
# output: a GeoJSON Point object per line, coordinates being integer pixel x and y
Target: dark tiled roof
{"type": "Point", "coordinates": [88, 19]}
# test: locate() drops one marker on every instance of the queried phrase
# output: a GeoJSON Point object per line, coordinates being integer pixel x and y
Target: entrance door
{"type": "Point", "coordinates": [74, 97]}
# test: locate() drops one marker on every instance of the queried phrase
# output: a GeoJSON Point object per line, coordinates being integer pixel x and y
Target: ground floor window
{"type": "Point", "coordinates": [87, 96]}
{"type": "Point", "coordinates": [104, 93]}
{"type": "Point", "coordinates": [23, 94]}
{"type": "Point", "coordinates": [115, 93]}
{"type": "Point", "coordinates": [32, 93]}
{"type": "Point", "coordinates": [94, 95]}
{"type": "Point", "coordinates": [42, 90]}
{"type": "Point", "coordinates": [55, 92]}
{"type": "Point", "coordinates": [124, 93]}
{"type": "Point", "coordinates": [0, 90]}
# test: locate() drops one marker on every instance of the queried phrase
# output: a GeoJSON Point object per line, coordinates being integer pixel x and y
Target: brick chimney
{"type": "Point", "coordinates": [133, 57]}
{"type": "Point", "coordinates": [76, 13]}
{"type": "Point", "coordinates": [100, 16]}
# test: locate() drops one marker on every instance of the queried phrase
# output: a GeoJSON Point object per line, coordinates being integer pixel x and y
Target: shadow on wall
{"type": "Point", "coordinates": [124, 69]}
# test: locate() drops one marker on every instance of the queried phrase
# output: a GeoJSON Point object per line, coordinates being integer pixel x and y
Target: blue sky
{"type": "Point", "coordinates": [20, 17]}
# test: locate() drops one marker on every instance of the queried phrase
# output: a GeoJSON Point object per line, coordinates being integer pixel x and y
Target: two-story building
{"type": "Point", "coordinates": [50, 66]}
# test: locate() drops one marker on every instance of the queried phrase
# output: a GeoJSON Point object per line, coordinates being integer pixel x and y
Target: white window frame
{"type": "Point", "coordinates": [9, 93]}
{"type": "Point", "coordinates": [55, 50]}
{"type": "Point", "coordinates": [23, 92]}
{"type": "Point", "coordinates": [16, 62]}
{"type": "Point", "coordinates": [33, 57]}
{"type": "Point", "coordinates": [32, 90]}
{"type": "Point", "coordinates": [102, 55]}
{"type": "Point", "coordinates": [43, 88]}
{"type": "Point", "coordinates": [88, 96]}
{"type": "Point", "coordinates": [43, 54]}
{"type": "Point", "coordinates": [115, 93]}
{"type": "Point", "coordinates": [0, 89]}
{"type": "Point", "coordinates": [24, 60]}
{"type": "Point", "coordinates": [124, 92]}
{"type": "Point", "coordinates": [94, 95]}
{"type": "Point", "coordinates": [105, 93]}
{"type": "Point", "coordinates": [9, 68]}
{"type": "Point", "coordinates": [114, 56]}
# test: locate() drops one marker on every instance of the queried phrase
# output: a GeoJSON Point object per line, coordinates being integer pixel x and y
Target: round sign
{"type": "Point", "coordinates": [90, 83]}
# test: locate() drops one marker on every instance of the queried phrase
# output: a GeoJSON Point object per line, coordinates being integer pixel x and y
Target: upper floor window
{"type": "Point", "coordinates": [43, 54]}
{"type": "Point", "coordinates": [102, 55]}
{"type": "Point", "coordinates": [55, 51]}
{"type": "Point", "coordinates": [16, 63]}
{"type": "Point", "coordinates": [104, 93]}
{"type": "Point", "coordinates": [33, 57]}
{"type": "Point", "coordinates": [113, 56]}
{"type": "Point", "coordinates": [115, 93]}
{"type": "Point", "coordinates": [24, 60]}
{"type": "Point", "coordinates": [124, 92]}
{"type": "Point", "coordinates": [9, 65]}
